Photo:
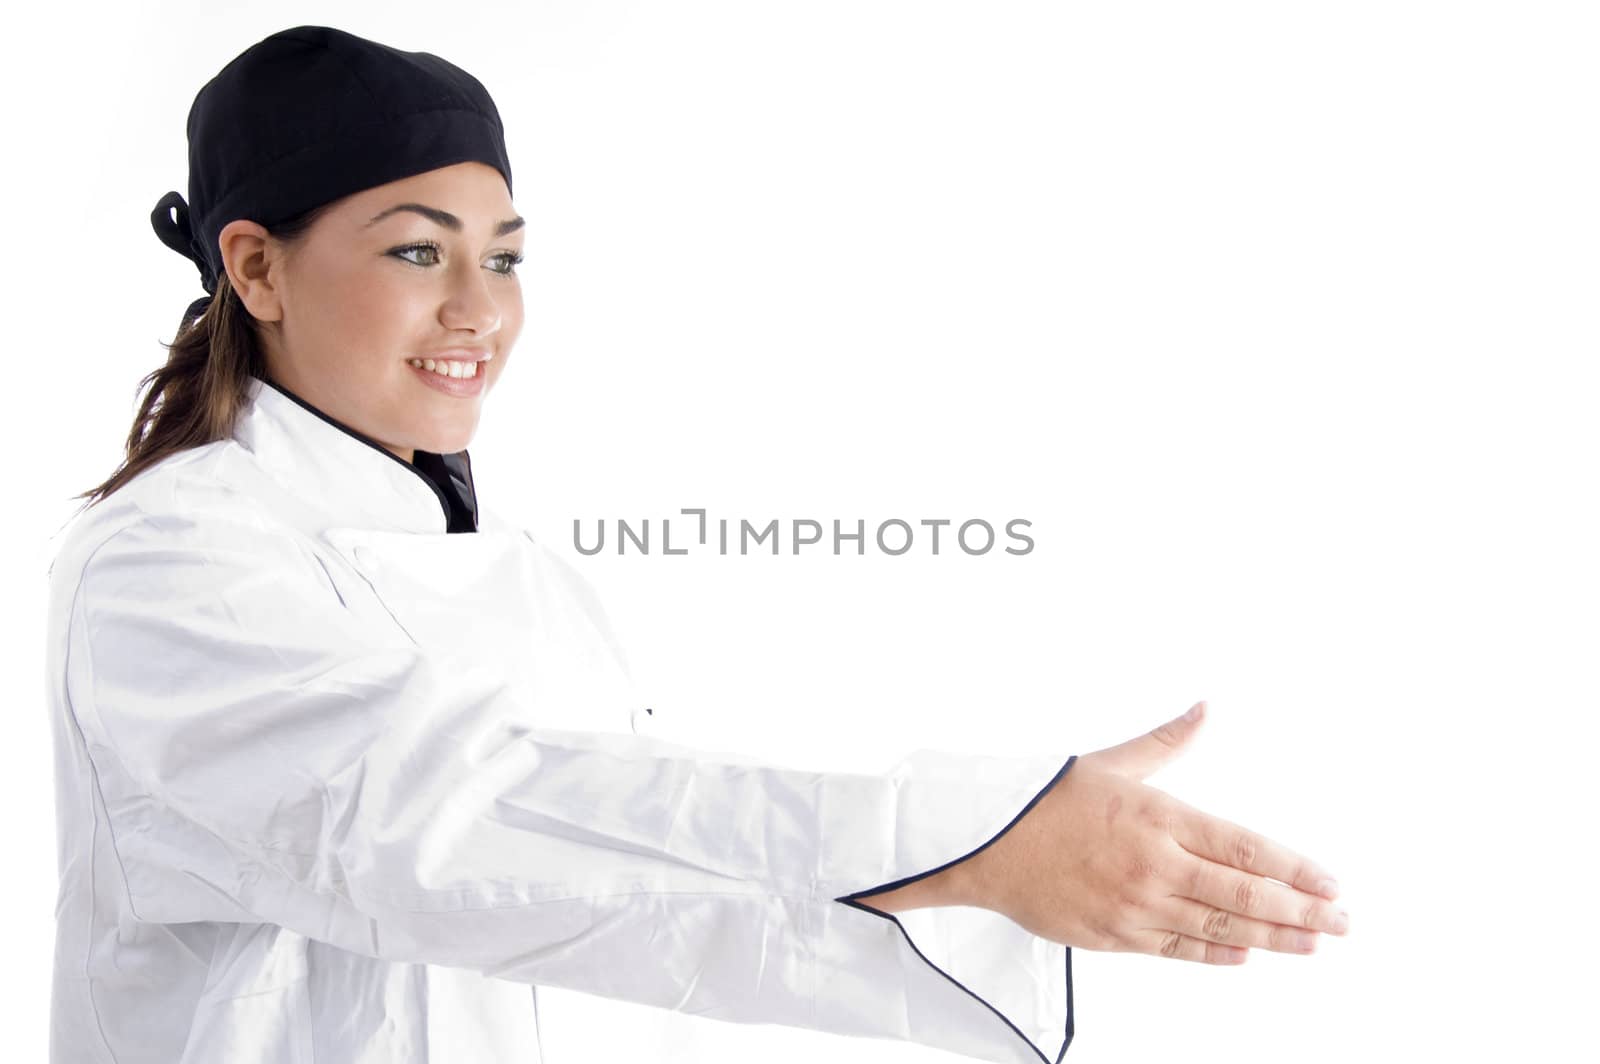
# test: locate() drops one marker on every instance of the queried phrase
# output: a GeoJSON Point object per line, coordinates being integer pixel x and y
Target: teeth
{"type": "Point", "coordinates": [447, 367]}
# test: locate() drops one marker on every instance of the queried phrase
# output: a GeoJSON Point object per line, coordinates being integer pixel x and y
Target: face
{"type": "Point", "coordinates": [421, 268]}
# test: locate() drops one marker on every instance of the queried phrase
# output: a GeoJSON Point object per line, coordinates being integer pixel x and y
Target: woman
{"type": "Point", "coordinates": [346, 763]}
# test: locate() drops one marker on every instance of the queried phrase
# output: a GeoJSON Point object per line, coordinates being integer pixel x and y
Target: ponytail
{"type": "Point", "coordinates": [195, 398]}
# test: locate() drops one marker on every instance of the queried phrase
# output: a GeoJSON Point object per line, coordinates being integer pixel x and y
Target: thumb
{"type": "Point", "coordinates": [1139, 757]}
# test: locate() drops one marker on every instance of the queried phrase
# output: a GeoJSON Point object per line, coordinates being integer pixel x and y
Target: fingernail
{"type": "Point", "coordinates": [1341, 923]}
{"type": "Point", "coordinates": [1194, 712]}
{"type": "Point", "coordinates": [1328, 888]}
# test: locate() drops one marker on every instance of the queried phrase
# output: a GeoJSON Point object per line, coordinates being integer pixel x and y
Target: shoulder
{"type": "Point", "coordinates": [548, 562]}
{"type": "Point", "coordinates": [563, 580]}
{"type": "Point", "coordinates": [181, 510]}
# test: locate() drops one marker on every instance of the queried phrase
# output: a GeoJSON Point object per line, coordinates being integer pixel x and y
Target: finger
{"type": "Point", "coordinates": [1227, 843]}
{"type": "Point", "coordinates": [1219, 925]}
{"type": "Point", "coordinates": [1251, 895]}
{"type": "Point", "coordinates": [1165, 942]}
{"type": "Point", "coordinates": [1144, 754]}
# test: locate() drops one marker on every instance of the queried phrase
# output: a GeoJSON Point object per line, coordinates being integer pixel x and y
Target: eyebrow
{"type": "Point", "coordinates": [445, 218]}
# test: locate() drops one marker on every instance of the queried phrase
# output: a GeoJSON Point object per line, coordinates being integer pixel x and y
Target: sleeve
{"type": "Point", "coordinates": [263, 758]}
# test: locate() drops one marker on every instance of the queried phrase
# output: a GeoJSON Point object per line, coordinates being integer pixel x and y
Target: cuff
{"type": "Point", "coordinates": [959, 978]}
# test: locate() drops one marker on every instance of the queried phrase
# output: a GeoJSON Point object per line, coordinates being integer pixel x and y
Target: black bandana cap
{"type": "Point", "coordinates": [310, 115]}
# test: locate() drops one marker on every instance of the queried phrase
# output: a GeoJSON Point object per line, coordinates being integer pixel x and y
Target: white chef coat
{"type": "Point", "coordinates": [335, 785]}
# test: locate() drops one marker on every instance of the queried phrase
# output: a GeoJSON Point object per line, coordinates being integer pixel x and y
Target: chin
{"type": "Point", "coordinates": [444, 435]}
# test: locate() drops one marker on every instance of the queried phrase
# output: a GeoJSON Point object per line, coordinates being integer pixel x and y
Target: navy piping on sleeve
{"type": "Point", "coordinates": [849, 899]}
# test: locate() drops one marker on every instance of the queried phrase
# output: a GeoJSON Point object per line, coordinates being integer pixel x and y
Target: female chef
{"type": "Point", "coordinates": [343, 760]}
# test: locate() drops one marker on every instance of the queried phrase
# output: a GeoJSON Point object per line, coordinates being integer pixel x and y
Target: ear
{"type": "Point", "coordinates": [251, 258]}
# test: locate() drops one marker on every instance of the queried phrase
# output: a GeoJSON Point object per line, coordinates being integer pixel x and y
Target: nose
{"type": "Point", "coordinates": [471, 302]}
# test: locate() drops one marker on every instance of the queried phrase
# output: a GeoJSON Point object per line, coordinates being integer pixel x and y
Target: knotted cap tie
{"type": "Point", "coordinates": [178, 236]}
{"type": "Point", "coordinates": [310, 115]}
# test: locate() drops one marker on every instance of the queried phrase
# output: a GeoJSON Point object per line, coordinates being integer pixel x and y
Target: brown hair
{"type": "Point", "coordinates": [194, 398]}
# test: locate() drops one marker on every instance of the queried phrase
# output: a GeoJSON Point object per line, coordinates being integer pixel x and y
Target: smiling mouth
{"type": "Point", "coordinates": [445, 367]}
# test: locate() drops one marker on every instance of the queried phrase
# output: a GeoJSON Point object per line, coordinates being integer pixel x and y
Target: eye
{"type": "Point", "coordinates": [433, 248]}
{"type": "Point", "coordinates": [511, 258]}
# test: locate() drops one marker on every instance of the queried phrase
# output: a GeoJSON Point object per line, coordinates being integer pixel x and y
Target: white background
{"type": "Point", "coordinates": [1277, 321]}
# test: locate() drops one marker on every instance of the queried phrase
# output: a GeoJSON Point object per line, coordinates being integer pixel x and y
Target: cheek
{"type": "Point", "coordinates": [511, 315]}
{"type": "Point", "coordinates": [374, 316]}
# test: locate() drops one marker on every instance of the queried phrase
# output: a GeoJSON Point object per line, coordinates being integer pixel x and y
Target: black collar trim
{"type": "Point", "coordinates": [449, 476]}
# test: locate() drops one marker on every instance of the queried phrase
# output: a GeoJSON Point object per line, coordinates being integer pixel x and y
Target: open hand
{"type": "Point", "coordinates": [1104, 862]}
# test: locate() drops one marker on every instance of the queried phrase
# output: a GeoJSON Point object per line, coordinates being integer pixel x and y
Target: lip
{"type": "Point", "coordinates": [461, 387]}
{"type": "Point", "coordinates": [459, 354]}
